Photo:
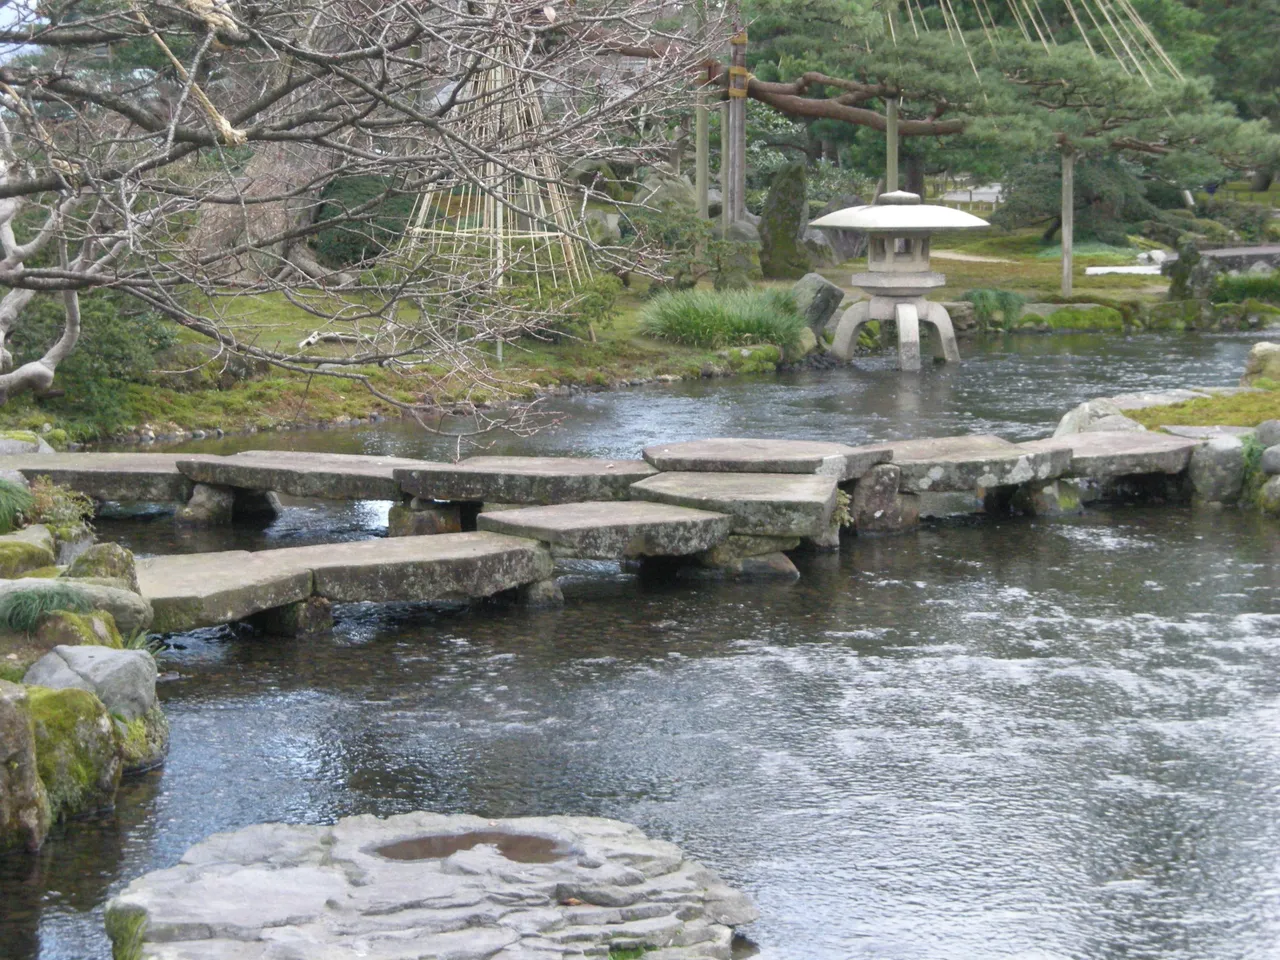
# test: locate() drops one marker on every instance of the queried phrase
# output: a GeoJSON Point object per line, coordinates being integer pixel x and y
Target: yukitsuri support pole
{"type": "Point", "coordinates": [702, 150]}
{"type": "Point", "coordinates": [737, 196]}
{"type": "Point", "coordinates": [891, 145]}
{"type": "Point", "coordinates": [725, 219]}
{"type": "Point", "coordinates": [1068, 216]}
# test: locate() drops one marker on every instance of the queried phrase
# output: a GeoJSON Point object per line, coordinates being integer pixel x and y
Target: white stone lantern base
{"type": "Point", "coordinates": [907, 313]}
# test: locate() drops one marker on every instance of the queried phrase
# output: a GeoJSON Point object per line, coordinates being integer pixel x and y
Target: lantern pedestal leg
{"type": "Point", "coordinates": [941, 320]}
{"type": "Point", "coordinates": [845, 341]}
{"type": "Point", "coordinates": [908, 336]}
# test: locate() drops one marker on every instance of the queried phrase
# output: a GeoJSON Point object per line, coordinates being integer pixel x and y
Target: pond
{"type": "Point", "coordinates": [1014, 738]}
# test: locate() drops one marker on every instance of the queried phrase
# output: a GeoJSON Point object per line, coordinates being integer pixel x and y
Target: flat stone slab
{"type": "Point", "coordinates": [146, 477]}
{"type": "Point", "coordinates": [738, 455]}
{"type": "Point", "coordinates": [524, 480]}
{"type": "Point", "coordinates": [606, 530]}
{"type": "Point", "coordinates": [446, 566]}
{"type": "Point", "coordinates": [968, 463]}
{"type": "Point", "coordinates": [426, 885]}
{"type": "Point", "coordinates": [1208, 433]}
{"type": "Point", "coordinates": [770, 504]}
{"type": "Point", "coordinates": [325, 476]}
{"type": "Point", "coordinates": [206, 589]}
{"type": "Point", "coordinates": [1102, 455]}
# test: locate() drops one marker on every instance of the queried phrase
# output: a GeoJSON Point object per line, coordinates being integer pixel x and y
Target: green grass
{"type": "Point", "coordinates": [15, 500]}
{"type": "Point", "coordinates": [21, 610]}
{"type": "Point", "coordinates": [1236, 410]}
{"type": "Point", "coordinates": [712, 319]}
{"type": "Point", "coordinates": [1265, 287]}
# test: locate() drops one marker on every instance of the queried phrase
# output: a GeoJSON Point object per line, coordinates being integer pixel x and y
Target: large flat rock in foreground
{"type": "Point", "coordinates": [427, 886]}
{"type": "Point", "coordinates": [325, 476]}
{"type": "Point", "coordinates": [978, 461]}
{"type": "Point", "coordinates": [606, 530]}
{"type": "Point", "coordinates": [740, 455]}
{"type": "Point", "coordinates": [144, 477]}
{"type": "Point", "coordinates": [524, 480]}
{"type": "Point", "coordinates": [205, 589]}
{"type": "Point", "coordinates": [770, 504]}
{"type": "Point", "coordinates": [1103, 455]}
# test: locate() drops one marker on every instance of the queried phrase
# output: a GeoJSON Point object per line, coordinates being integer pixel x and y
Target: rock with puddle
{"type": "Point", "coordinates": [430, 885]}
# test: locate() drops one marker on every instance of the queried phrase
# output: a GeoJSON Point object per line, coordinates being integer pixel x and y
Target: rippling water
{"type": "Point", "coordinates": [1022, 739]}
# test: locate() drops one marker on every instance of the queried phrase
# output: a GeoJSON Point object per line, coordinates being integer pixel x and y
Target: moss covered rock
{"type": "Point", "coordinates": [1263, 365]}
{"type": "Point", "coordinates": [29, 549]}
{"type": "Point", "coordinates": [144, 741]}
{"type": "Point", "coordinates": [24, 804]}
{"type": "Point", "coordinates": [22, 441]}
{"type": "Point", "coordinates": [781, 254]}
{"type": "Point", "coordinates": [77, 751]}
{"type": "Point", "coordinates": [108, 561]}
{"type": "Point", "coordinates": [97, 628]}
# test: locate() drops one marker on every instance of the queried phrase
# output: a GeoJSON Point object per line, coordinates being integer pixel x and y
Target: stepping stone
{"type": "Point", "coordinates": [1208, 433]}
{"type": "Point", "coordinates": [730, 455]}
{"type": "Point", "coordinates": [613, 531]}
{"type": "Point", "coordinates": [207, 589]}
{"type": "Point", "coordinates": [968, 463]}
{"type": "Point", "coordinates": [444, 566]}
{"type": "Point", "coordinates": [771, 504]}
{"type": "Point", "coordinates": [325, 476]}
{"type": "Point", "coordinates": [524, 480]}
{"type": "Point", "coordinates": [145, 477]}
{"type": "Point", "coordinates": [1118, 454]}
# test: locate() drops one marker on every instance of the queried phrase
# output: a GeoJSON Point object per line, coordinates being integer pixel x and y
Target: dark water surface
{"type": "Point", "coordinates": [1021, 739]}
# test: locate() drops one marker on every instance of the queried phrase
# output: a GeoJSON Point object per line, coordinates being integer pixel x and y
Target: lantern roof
{"type": "Point", "coordinates": [900, 212]}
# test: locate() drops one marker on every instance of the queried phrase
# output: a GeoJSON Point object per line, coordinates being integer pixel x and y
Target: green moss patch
{"type": "Point", "coordinates": [62, 627]}
{"type": "Point", "coordinates": [17, 557]}
{"type": "Point", "coordinates": [77, 752]}
{"type": "Point", "coordinates": [127, 928]}
{"type": "Point", "coordinates": [1237, 410]}
{"type": "Point", "coordinates": [144, 742]}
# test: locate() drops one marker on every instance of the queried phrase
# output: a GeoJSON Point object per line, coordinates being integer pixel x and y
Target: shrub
{"type": "Point", "coordinates": [63, 510]}
{"type": "Point", "coordinates": [15, 501]}
{"type": "Point", "coordinates": [704, 318]}
{"type": "Point", "coordinates": [687, 244]}
{"type": "Point", "coordinates": [590, 306]}
{"type": "Point", "coordinates": [21, 610]}
{"type": "Point", "coordinates": [119, 338]}
{"type": "Point", "coordinates": [995, 308]}
{"type": "Point", "coordinates": [375, 232]}
{"type": "Point", "coordinates": [1249, 286]}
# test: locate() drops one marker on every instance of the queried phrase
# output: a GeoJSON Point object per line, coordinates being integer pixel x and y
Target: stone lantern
{"type": "Point", "coordinates": [898, 228]}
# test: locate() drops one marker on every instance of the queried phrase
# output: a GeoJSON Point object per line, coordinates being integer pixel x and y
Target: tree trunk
{"type": "Point", "coordinates": [915, 174]}
{"type": "Point", "coordinates": [1261, 180]}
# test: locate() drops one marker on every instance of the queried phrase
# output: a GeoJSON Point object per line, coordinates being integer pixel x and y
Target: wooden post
{"type": "Point", "coordinates": [1068, 216]}
{"type": "Point", "coordinates": [891, 145]}
{"type": "Point", "coordinates": [737, 196]}
{"type": "Point", "coordinates": [724, 166]}
{"type": "Point", "coordinates": [701, 150]}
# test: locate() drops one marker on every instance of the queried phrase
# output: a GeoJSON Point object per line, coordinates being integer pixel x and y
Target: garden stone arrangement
{"type": "Point", "coordinates": [428, 885]}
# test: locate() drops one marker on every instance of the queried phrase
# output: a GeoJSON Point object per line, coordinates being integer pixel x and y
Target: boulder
{"type": "Point", "coordinates": [663, 191]}
{"type": "Point", "coordinates": [62, 628]}
{"type": "Point", "coordinates": [15, 442]}
{"type": "Point", "coordinates": [26, 550]}
{"type": "Point", "coordinates": [124, 680]}
{"type": "Point", "coordinates": [964, 317]}
{"type": "Point", "coordinates": [817, 299]}
{"type": "Point", "coordinates": [15, 477]}
{"type": "Point", "coordinates": [77, 751]}
{"type": "Point", "coordinates": [767, 566]}
{"type": "Point", "coordinates": [847, 244]}
{"type": "Point", "coordinates": [1112, 423]}
{"type": "Point", "coordinates": [1263, 365]}
{"type": "Point", "coordinates": [1217, 470]}
{"type": "Point", "coordinates": [423, 518]}
{"type": "Point", "coordinates": [818, 246]}
{"type": "Point", "coordinates": [604, 226]}
{"type": "Point", "coordinates": [144, 741]}
{"type": "Point", "coordinates": [1269, 497]}
{"type": "Point", "coordinates": [108, 561]}
{"type": "Point", "coordinates": [24, 805]}
{"type": "Point", "coordinates": [781, 254]}
{"type": "Point", "coordinates": [1268, 433]}
{"type": "Point", "coordinates": [1053, 499]}
{"type": "Point", "coordinates": [1271, 460]}
{"type": "Point", "coordinates": [209, 506]}
{"type": "Point", "coordinates": [132, 613]}
{"type": "Point", "coordinates": [261, 507]}
{"type": "Point", "coordinates": [807, 344]}
{"type": "Point", "coordinates": [741, 265]}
